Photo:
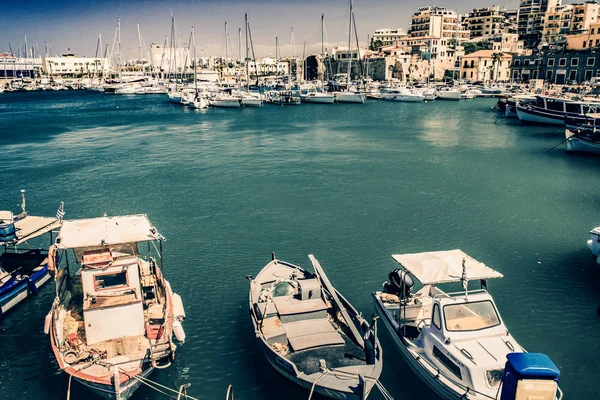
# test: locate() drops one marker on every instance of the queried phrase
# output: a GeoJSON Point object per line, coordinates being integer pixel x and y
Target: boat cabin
{"type": "Point", "coordinates": [566, 105]}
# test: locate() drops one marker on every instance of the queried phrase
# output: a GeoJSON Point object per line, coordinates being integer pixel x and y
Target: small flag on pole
{"type": "Point", "coordinates": [60, 213]}
{"type": "Point", "coordinates": [463, 278]}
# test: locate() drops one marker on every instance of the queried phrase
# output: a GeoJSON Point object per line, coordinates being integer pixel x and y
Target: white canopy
{"type": "Point", "coordinates": [443, 266]}
{"type": "Point", "coordinates": [106, 231]}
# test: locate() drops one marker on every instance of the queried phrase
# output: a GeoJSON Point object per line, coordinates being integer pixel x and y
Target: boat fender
{"type": "Point", "coordinates": [178, 311]}
{"type": "Point", "coordinates": [47, 322]}
{"type": "Point", "coordinates": [178, 331]}
{"type": "Point", "coordinates": [31, 285]}
{"type": "Point", "coordinates": [52, 260]}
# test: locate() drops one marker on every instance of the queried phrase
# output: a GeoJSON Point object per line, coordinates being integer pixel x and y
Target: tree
{"type": "Point", "coordinates": [375, 44]}
{"type": "Point", "coordinates": [472, 47]}
{"type": "Point", "coordinates": [496, 59]}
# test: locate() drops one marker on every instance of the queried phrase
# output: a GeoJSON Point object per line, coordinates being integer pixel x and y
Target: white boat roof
{"type": "Point", "coordinates": [443, 266]}
{"type": "Point", "coordinates": [31, 227]}
{"type": "Point", "coordinates": [106, 231]}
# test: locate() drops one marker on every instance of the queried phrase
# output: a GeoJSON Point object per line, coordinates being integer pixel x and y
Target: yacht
{"type": "Point", "coordinates": [449, 94]}
{"type": "Point", "coordinates": [312, 95]}
{"type": "Point", "coordinates": [311, 334]}
{"type": "Point", "coordinates": [402, 94]}
{"type": "Point", "coordinates": [114, 315]}
{"type": "Point", "coordinates": [594, 244]}
{"type": "Point", "coordinates": [350, 97]}
{"type": "Point", "coordinates": [456, 342]}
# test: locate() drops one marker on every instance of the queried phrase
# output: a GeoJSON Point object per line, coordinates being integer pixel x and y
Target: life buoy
{"type": "Point", "coordinates": [52, 260]}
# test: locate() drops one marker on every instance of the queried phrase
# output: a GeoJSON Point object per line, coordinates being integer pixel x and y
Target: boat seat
{"type": "Point", "coordinates": [312, 333]}
{"type": "Point", "coordinates": [259, 308]}
{"type": "Point", "coordinates": [287, 305]}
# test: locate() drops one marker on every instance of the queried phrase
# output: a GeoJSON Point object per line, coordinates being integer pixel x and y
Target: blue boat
{"type": "Point", "coordinates": [22, 271]}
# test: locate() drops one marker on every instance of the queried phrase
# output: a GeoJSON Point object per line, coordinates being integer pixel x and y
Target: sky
{"type": "Point", "coordinates": [76, 24]}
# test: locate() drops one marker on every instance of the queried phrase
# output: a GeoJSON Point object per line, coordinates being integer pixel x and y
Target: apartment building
{"type": "Point", "coordinates": [437, 22]}
{"type": "Point", "coordinates": [485, 21]}
{"type": "Point", "coordinates": [388, 36]}
{"type": "Point", "coordinates": [531, 20]}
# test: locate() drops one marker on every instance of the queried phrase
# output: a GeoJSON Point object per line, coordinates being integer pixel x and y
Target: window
{"type": "Point", "coordinates": [526, 62]}
{"type": "Point", "coordinates": [584, 42]}
{"type": "Point", "coordinates": [555, 105]}
{"type": "Point", "coordinates": [485, 63]}
{"type": "Point", "coordinates": [110, 280]}
{"type": "Point", "coordinates": [573, 108]}
{"type": "Point", "coordinates": [448, 363]}
{"type": "Point", "coordinates": [562, 62]}
{"type": "Point", "coordinates": [470, 316]}
{"type": "Point", "coordinates": [435, 317]}
{"type": "Point", "coordinates": [591, 61]}
{"type": "Point", "coordinates": [573, 75]}
{"type": "Point", "coordinates": [472, 63]}
{"type": "Point", "coordinates": [588, 74]}
{"type": "Point", "coordinates": [574, 62]}
{"type": "Point", "coordinates": [516, 63]}
{"type": "Point", "coordinates": [592, 32]}
{"type": "Point", "coordinates": [549, 76]}
{"type": "Point", "coordinates": [551, 62]}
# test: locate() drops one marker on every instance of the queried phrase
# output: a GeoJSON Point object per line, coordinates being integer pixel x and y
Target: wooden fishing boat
{"type": "Point", "coordinates": [311, 334]}
{"type": "Point", "coordinates": [22, 271]}
{"type": "Point", "coordinates": [114, 315]}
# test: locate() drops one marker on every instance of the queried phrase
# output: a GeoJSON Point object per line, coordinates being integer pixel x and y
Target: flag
{"type": "Point", "coordinates": [464, 279]}
{"type": "Point", "coordinates": [60, 213]}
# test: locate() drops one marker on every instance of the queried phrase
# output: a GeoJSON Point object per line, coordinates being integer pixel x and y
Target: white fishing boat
{"type": "Point", "coordinates": [449, 94]}
{"type": "Point", "coordinates": [251, 100]}
{"type": "Point", "coordinates": [429, 94]}
{"type": "Point", "coordinates": [199, 102]}
{"type": "Point", "coordinates": [114, 315]}
{"type": "Point", "coordinates": [554, 110]}
{"type": "Point", "coordinates": [310, 94]}
{"type": "Point", "coordinates": [311, 334]}
{"type": "Point", "coordinates": [402, 94]}
{"type": "Point", "coordinates": [582, 141]}
{"type": "Point", "coordinates": [457, 343]}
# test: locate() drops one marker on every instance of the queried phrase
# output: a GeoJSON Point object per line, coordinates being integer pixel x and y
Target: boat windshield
{"type": "Point", "coordinates": [470, 316]}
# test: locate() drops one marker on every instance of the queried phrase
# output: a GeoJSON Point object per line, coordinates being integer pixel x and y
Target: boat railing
{"type": "Point", "coordinates": [458, 294]}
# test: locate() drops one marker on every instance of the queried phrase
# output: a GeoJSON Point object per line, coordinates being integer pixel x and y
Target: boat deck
{"type": "Point", "coordinates": [347, 355]}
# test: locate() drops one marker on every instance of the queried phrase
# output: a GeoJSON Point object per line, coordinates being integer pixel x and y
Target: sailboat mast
{"type": "Point", "coordinates": [349, 44]}
{"type": "Point", "coordinates": [195, 59]}
{"type": "Point", "coordinates": [139, 41]}
{"type": "Point", "coordinates": [226, 41]}
{"type": "Point", "coordinates": [247, 50]}
{"type": "Point", "coordinates": [277, 55]}
{"type": "Point", "coordinates": [322, 34]}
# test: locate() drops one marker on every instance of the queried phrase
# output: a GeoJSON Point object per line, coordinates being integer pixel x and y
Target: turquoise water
{"type": "Point", "coordinates": [351, 184]}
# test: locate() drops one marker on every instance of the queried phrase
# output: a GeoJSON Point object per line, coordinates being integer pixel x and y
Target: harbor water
{"type": "Point", "coordinates": [349, 183]}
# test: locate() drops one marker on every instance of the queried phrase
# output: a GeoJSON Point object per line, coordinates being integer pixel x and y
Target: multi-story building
{"type": "Point", "coordinates": [557, 23]}
{"type": "Point", "coordinates": [485, 66]}
{"type": "Point", "coordinates": [485, 21]}
{"type": "Point", "coordinates": [531, 20]}
{"type": "Point", "coordinates": [437, 22]}
{"type": "Point", "coordinates": [388, 36]}
{"type": "Point", "coordinates": [585, 41]}
{"type": "Point", "coordinates": [571, 19]}
{"type": "Point", "coordinates": [584, 14]}
{"type": "Point", "coordinates": [71, 66]}
{"type": "Point", "coordinates": [557, 68]}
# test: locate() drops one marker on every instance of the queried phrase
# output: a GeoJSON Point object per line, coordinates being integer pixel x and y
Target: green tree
{"type": "Point", "coordinates": [496, 59]}
{"type": "Point", "coordinates": [472, 47]}
{"type": "Point", "coordinates": [375, 44]}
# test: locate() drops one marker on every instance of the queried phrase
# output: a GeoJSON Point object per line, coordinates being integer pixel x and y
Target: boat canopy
{"type": "Point", "coordinates": [28, 227]}
{"type": "Point", "coordinates": [443, 266]}
{"type": "Point", "coordinates": [105, 231]}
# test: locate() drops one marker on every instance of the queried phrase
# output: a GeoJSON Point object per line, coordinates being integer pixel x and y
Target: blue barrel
{"type": "Point", "coordinates": [526, 366]}
{"type": "Point", "coordinates": [7, 233]}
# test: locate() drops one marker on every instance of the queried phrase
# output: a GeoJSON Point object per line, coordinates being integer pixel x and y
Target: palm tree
{"type": "Point", "coordinates": [496, 59]}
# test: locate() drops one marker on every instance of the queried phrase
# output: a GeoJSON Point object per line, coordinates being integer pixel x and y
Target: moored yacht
{"type": "Point", "coordinates": [114, 315]}
{"type": "Point", "coordinates": [402, 94]}
{"type": "Point", "coordinates": [456, 342]}
{"type": "Point", "coordinates": [449, 94]}
{"type": "Point", "coordinates": [311, 334]}
{"type": "Point", "coordinates": [350, 97]}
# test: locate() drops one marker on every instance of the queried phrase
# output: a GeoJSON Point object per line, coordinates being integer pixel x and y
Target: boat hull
{"type": "Point", "coordinates": [234, 103]}
{"type": "Point", "coordinates": [22, 290]}
{"type": "Point", "coordinates": [431, 380]}
{"type": "Point", "coordinates": [402, 97]}
{"type": "Point", "coordinates": [252, 102]}
{"type": "Point", "coordinates": [350, 98]}
{"type": "Point", "coordinates": [538, 117]}
{"type": "Point", "coordinates": [576, 144]}
{"type": "Point", "coordinates": [108, 391]}
{"type": "Point", "coordinates": [452, 96]}
{"type": "Point", "coordinates": [320, 99]}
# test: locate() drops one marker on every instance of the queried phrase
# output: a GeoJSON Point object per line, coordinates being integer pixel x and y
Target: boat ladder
{"type": "Point", "coordinates": [160, 352]}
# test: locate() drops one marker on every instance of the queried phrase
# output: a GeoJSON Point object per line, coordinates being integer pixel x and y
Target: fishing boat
{"type": "Point", "coordinates": [594, 243]}
{"type": "Point", "coordinates": [310, 94]}
{"type": "Point", "coordinates": [350, 97]}
{"type": "Point", "coordinates": [225, 101]}
{"type": "Point", "coordinates": [114, 315]}
{"type": "Point", "coordinates": [456, 342]}
{"type": "Point", "coordinates": [311, 334]}
{"type": "Point", "coordinates": [554, 110]}
{"type": "Point", "coordinates": [22, 271]}
{"type": "Point", "coordinates": [584, 141]}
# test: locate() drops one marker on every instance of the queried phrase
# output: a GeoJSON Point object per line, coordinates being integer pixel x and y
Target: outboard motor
{"type": "Point", "coordinates": [530, 376]}
{"type": "Point", "coordinates": [400, 283]}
